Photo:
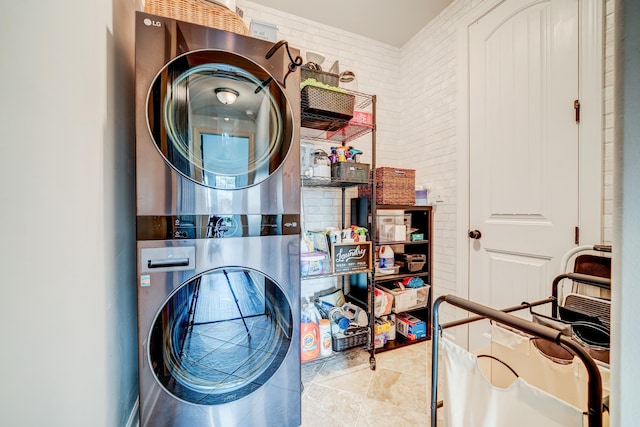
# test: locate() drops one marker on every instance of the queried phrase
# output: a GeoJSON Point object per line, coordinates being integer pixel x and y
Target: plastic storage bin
{"type": "Point", "coordinates": [350, 171]}
{"type": "Point", "coordinates": [407, 299]}
{"type": "Point", "coordinates": [352, 337]}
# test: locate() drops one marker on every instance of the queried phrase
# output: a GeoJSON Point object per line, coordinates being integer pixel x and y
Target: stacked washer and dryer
{"type": "Point", "coordinates": [218, 228]}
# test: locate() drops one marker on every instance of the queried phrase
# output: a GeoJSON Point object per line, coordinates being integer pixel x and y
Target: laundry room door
{"type": "Point", "coordinates": [523, 152]}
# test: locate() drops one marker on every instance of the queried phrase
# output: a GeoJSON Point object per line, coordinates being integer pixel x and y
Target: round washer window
{"type": "Point", "coordinates": [219, 119]}
{"type": "Point", "coordinates": [220, 336]}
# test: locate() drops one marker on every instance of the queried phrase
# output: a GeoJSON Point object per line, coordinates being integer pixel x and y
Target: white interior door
{"type": "Point", "coordinates": [523, 153]}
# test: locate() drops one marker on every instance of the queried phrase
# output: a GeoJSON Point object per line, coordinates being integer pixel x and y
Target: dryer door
{"type": "Point", "coordinates": [220, 336]}
{"type": "Point", "coordinates": [219, 119]}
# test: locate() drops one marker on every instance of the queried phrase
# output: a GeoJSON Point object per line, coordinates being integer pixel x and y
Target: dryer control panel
{"type": "Point", "coordinates": [180, 227]}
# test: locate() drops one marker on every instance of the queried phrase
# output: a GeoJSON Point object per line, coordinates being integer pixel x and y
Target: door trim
{"type": "Point", "coordinates": [590, 181]}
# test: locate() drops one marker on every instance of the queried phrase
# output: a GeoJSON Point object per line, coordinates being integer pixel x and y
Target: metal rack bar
{"type": "Point", "coordinates": [594, 392]}
{"type": "Point", "coordinates": [372, 276]}
{"type": "Point", "coordinates": [600, 282]}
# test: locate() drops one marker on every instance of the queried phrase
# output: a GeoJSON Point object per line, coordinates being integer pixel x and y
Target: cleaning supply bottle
{"type": "Point", "coordinates": [386, 257]}
{"type": "Point", "coordinates": [309, 334]}
{"type": "Point", "coordinates": [325, 338]}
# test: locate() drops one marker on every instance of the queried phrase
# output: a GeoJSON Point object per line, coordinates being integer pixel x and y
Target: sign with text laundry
{"type": "Point", "coordinates": [348, 257]}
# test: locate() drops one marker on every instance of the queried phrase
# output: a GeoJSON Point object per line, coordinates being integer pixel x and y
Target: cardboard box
{"type": "Point", "coordinates": [382, 326]}
{"type": "Point", "coordinates": [348, 257]}
{"type": "Point", "coordinates": [410, 327]}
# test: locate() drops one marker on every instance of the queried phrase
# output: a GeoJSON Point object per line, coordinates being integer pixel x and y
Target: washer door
{"type": "Point", "coordinates": [219, 119]}
{"type": "Point", "coordinates": [220, 336]}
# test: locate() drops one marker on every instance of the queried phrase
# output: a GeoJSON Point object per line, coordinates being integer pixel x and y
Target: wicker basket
{"type": "Point", "coordinates": [200, 12]}
{"type": "Point", "coordinates": [394, 186]}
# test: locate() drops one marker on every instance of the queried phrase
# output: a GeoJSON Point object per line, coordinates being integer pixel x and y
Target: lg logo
{"type": "Point", "coordinates": [149, 23]}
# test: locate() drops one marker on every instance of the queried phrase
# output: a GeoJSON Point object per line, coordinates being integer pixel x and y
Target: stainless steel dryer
{"type": "Point", "coordinates": [216, 128]}
{"type": "Point", "coordinates": [218, 214]}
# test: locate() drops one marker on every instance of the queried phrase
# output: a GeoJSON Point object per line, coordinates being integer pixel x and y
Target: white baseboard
{"type": "Point", "coordinates": [134, 419]}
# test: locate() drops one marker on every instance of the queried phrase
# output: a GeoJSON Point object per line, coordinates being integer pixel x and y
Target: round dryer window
{"type": "Point", "coordinates": [219, 119]}
{"type": "Point", "coordinates": [220, 336]}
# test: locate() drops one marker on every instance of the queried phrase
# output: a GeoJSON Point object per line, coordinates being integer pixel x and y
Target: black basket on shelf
{"type": "Point", "coordinates": [353, 338]}
{"type": "Point", "coordinates": [325, 109]}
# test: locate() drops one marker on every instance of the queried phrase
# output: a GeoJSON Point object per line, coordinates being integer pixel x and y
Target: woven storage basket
{"type": "Point", "coordinates": [394, 186]}
{"type": "Point", "coordinates": [200, 12]}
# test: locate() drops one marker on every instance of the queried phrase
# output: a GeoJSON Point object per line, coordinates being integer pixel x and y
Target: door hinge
{"type": "Point", "coordinates": [577, 236]}
{"type": "Point", "coordinates": [576, 107]}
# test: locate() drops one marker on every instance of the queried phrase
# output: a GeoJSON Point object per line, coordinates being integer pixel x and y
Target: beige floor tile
{"type": "Point", "coordinates": [414, 359]}
{"type": "Point", "coordinates": [343, 390]}
{"type": "Point", "coordinates": [355, 380]}
{"type": "Point", "coordinates": [310, 371]}
{"type": "Point", "coordinates": [379, 414]}
{"type": "Point", "coordinates": [343, 363]}
{"type": "Point", "coordinates": [405, 390]}
{"type": "Point", "coordinates": [324, 406]}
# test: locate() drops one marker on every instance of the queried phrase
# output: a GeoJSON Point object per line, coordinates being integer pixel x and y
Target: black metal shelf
{"type": "Point", "coordinates": [331, 182]}
{"type": "Point", "coordinates": [333, 125]}
{"type": "Point", "coordinates": [421, 219]}
{"type": "Point", "coordinates": [399, 342]}
{"type": "Point", "coordinates": [403, 207]}
{"type": "Point", "coordinates": [424, 314]}
{"type": "Point", "coordinates": [392, 277]}
{"type": "Point", "coordinates": [403, 242]}
{"type": "Point", "coordinates": [329, 275]}
{"type": "Point", "coordinates": [328, 130]}
{"type": "Point", "coordinates": [310, 134]}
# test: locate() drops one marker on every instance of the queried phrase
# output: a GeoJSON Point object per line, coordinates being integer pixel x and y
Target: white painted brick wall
{"type": "Point", "coordinates": [429, 119]}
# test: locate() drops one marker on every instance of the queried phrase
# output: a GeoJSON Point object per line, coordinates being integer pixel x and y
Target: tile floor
{"type": "Point", "coordinates": [344, 391]}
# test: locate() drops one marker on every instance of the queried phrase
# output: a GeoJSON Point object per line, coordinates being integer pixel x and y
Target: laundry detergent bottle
{"type": "Point", "coordinates": [309, 334]}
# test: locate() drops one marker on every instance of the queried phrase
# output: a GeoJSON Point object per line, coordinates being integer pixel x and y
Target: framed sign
{"type": "Point", "coordinates": [348, 257]}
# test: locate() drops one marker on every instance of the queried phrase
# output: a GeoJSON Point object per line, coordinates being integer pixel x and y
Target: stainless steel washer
{"type": "Point", "coordinates": [218, 328]}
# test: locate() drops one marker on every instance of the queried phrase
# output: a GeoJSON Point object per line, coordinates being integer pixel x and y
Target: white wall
{"type": "Point", "coordinates": [608, 124]}
{"type": "Point", "coordinates": [626, 269]}
{"type": "Point", "coordinates": [429, 117]}
{"type": "Point", "coordinates": [68, 321]}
